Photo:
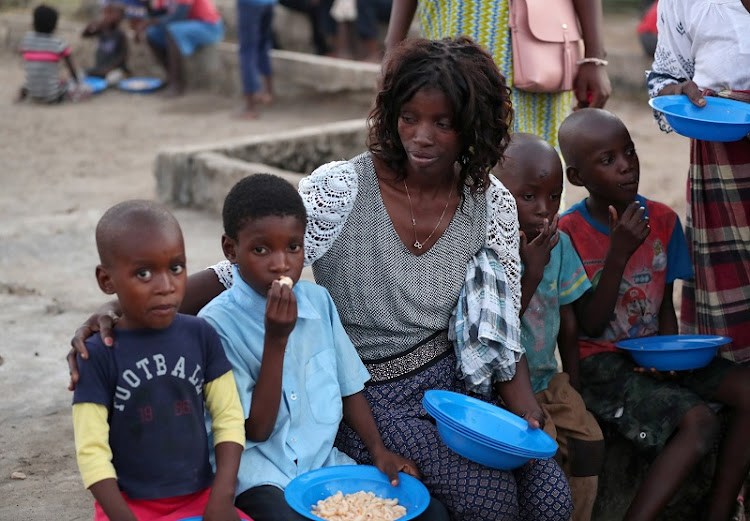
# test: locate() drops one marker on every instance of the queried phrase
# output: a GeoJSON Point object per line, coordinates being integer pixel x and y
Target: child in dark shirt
{"type": "Point", "coordinates": [635, 249]}
{"type": "Point", "coordinates": [138, 409]}
{"type": "Point", "coordinates": [42, 53]}
{"type": "Point", "coordinates": [112, 50]}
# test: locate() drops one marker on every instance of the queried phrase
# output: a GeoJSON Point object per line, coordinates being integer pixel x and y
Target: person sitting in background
{"type": "Point", "coordinates": [176, 28]}
{"type": "Point", "coordinates": [42, 52]}
{"type": "Point", "coordinates": [112, 49]}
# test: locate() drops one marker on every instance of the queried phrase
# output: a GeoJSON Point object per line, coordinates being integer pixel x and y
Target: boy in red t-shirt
{"type": "Point", "coordinates": [636, 249]}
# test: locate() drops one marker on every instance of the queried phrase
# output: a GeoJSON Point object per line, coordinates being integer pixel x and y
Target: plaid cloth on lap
{"type": "Point", "coordinates": [487, 349]}
{"type": "Point", "coordinates": [718, 235]}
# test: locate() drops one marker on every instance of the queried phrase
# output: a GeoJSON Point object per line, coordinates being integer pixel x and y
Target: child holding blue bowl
{"type": "Point", "coordinates": [553, 282]}
{"type": "Point", "coordinates": [633, 250]}
{"type": "Point", "coordinates": [112, 48]}
{"type": "Point", "coordinates": [297, 372]}
{"type": "Point", "coordinates": [42, 52]}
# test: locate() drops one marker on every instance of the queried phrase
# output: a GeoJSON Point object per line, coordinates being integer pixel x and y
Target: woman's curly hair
{"type": "Point", "coordinates": [469, 78]}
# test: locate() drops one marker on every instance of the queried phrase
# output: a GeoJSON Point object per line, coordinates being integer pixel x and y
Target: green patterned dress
{"type": "Point", "coordinates": [486, 22]}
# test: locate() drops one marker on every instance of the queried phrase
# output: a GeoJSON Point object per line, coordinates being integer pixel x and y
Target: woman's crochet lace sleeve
{"type": "Point", "coordinates": [329, 194]}
{"type": "Point", "coordinates": [503, 236]}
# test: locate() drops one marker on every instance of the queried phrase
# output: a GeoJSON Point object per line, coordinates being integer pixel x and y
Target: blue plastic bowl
{"type": "Point", "coordinates": [97, 84]}
{"type": "Point", "coordinates": [674, 352]}
{"type": "Point", "coordinates": [141, 84]}
{"type": "Point", "coordinates": [490, 443]}
{"type": "Point", "coordinates": [490, 426]}
{"type": "Point", "coordinates": [479, 452]}
{"type": "Point", "coordinates": [720, 120]}
{"type": "Point", "coordinates": [304, 491]}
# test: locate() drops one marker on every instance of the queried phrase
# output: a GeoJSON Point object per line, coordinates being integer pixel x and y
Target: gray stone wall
{"type": "Point", "coordinates": [201, 176]}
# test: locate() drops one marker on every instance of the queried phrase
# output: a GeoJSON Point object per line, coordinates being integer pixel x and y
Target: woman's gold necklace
{"type": "Point", "coordinates": [419, 245]}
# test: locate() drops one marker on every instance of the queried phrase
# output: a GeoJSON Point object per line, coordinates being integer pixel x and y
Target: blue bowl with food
{"type": "Point", "coordinates": [305, 491]}
{"type": "Point", "coordinates": [721, 119]}
{"type": "Point", "coordinates": [674, 352]}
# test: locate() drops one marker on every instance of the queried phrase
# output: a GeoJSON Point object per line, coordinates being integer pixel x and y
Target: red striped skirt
{"type": "Point", "coordinates": [718, 234]}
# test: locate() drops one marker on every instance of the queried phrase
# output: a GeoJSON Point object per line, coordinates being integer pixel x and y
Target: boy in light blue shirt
{"type": "Point", "coordinates": [553, 280]}
{"type": "Point", "coordinates": [297, 372]}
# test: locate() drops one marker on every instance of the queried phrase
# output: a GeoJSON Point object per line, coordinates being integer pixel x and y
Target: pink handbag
{"type": "Point", "coordinates": [546, 43]}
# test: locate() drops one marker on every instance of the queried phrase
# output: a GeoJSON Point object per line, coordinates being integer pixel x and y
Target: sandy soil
{"type": "Point", "coordinates": [60, 168]}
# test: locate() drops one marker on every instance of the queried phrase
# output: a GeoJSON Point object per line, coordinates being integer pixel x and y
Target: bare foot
{"type": "Point", "coordinates": [245, 113]}
{"type": "Point", "coordinates": [264, 98]}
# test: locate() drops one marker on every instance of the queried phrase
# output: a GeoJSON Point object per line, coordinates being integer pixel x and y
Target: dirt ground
{"type": "Point", "coordinates": [60, 168]}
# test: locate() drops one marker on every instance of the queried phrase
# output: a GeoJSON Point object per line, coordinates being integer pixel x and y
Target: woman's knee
{"type": "Point", "coordinates": [543, 492]}
{"type": "Point", "coordinates": [471, 492]}
{"type": "Point", "coordinates": [702, 426]}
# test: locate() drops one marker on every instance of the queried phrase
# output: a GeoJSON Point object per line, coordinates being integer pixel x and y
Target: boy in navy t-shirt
{"type": "Point", "coordinates": [138, 408]}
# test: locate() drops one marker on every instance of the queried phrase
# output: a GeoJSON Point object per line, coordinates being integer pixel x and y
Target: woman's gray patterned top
{"type": "Point", "coordinates": [388, 298]}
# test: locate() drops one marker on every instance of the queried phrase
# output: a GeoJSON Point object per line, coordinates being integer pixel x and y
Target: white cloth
{"type": "Point", "coordinates": [707, 41]}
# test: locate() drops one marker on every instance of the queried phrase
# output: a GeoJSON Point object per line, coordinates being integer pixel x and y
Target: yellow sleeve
{"type": "Point", "coordinates": [93, 452]}
{"type": "Point", "coordinates": [223, 404]}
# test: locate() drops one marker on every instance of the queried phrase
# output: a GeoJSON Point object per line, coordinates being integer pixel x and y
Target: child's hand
{"type": "Point", "coordinates": [390, 464]}
{"type": "Point", "coordinates": [628, 231]}
{"type": "Point", "coordinates": [659, 375]}
{"type": "Point", "coordinates": [281, 311]}
{"type": "Point", "coordinates": [535, 254]}
{"type": "Point", "coordinates": [220, 511]}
